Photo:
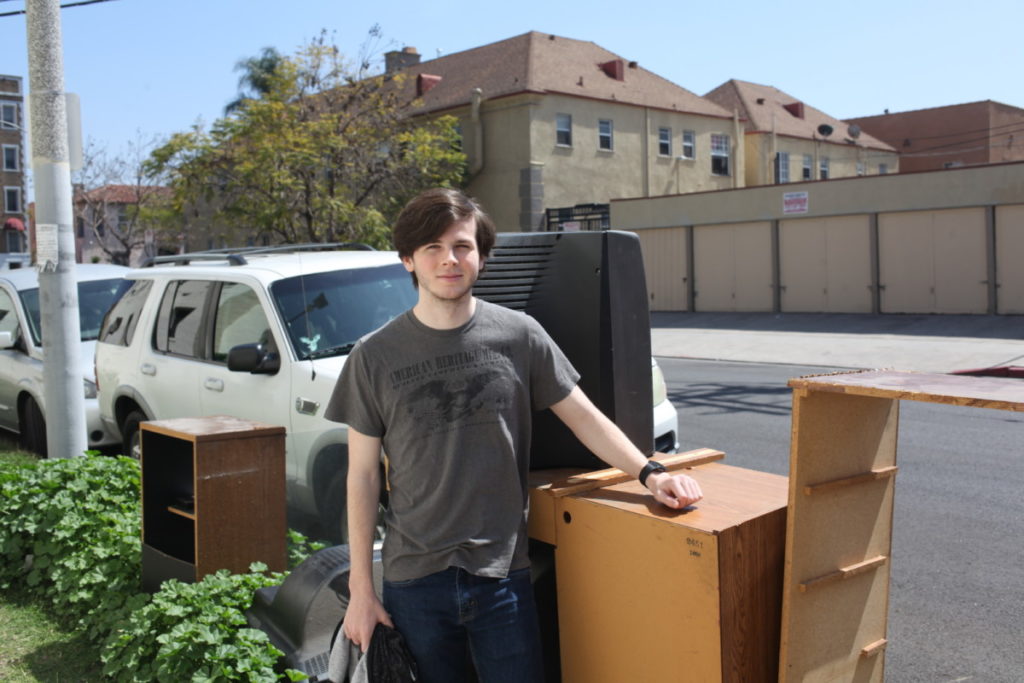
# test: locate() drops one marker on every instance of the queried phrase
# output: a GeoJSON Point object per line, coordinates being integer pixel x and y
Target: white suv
{"type": "Point", "coordinates": [260, 334]}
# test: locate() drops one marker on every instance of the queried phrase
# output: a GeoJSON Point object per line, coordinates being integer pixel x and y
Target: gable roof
{"type": "Point", "coordinates": [542, 63]}
{"type": "Point", "coordinates": [767, 108]}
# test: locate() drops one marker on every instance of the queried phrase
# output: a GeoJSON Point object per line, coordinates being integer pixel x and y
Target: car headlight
{"type": "Point", "coordinates": [658, 383]}
{"type": "Point", "coordinates": [90, 389]}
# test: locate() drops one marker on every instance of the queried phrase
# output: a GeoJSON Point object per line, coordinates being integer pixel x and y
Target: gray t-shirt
{"type": "Point", "coordinates": [453, 409]}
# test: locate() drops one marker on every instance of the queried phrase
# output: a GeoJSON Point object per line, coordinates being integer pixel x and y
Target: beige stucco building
{"type": "Point", "coordinates": [787, 140]}
{"type": "Point", "coordinates": [549, 122]}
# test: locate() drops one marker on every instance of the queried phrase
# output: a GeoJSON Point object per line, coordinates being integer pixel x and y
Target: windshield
{"type": "Point", "coordinates": [95, 297]}
{"type": "Point", "coordinates": [327, 313]}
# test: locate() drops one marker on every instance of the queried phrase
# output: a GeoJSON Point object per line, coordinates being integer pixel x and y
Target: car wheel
{"type": "Point", "coordinates": [33, 428]}
{"type": "Point", "coordinates": [334, 512]}
{"type": "Point", "coordinates": [131, 442]}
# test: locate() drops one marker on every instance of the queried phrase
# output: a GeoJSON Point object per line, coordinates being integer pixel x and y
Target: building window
{"type": "Point", "coordinates": [782, 167]}
{"type": "Point", "coordinates": [604, 134]}
{"type": "Point", "coordinates": [719, 154]}
{"type": "Point", "coordinates": [689, 144]}
{"type": "Point", "coordinates": [860, 168]}
{"type": "Point", "coordinates": [563, 130]}
{"type": "Point", "coordinates": [12, 200]}
{"type": "Point", "coordinates": [808, 173]}
{"type": "Point", "coordinates": [883, 169]}
{"type": "Point", "coordinates": [665, 142]}
{"type": "Point", "coordinates": [13, 239]}
{"type": "Point", "coordinates": [823, 169]}
{"type": "Point", "coordinates": [11, 157]}
{"type": "Point", "coordinates": [8, 115]}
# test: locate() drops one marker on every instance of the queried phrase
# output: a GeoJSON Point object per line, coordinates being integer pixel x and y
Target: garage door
{"type": "Point", "coordinates": [933, 261]}
{"type": "Point", "coordinates": [825, 264]}
{"type": "Point", "coordinates": [1010, 258]}
{"type": "Point", "coordinates": [665, 263]}
{"type": "Point", "coordinates": [733, 267]}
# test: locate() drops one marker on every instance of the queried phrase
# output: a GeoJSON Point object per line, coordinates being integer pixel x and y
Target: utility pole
{"type": "Point", "coordinates": [63, 391]}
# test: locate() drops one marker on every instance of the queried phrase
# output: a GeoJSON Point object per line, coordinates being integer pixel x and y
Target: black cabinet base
{"type": "Point", "coordinates": [157, 567]}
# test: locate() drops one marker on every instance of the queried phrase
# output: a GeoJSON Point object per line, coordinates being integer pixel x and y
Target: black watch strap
{"type": "Point", "coordinates": [651, 466]}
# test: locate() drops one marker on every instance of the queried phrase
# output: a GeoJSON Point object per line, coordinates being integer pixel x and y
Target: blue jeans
{"type": "Point", "coordinates": [445, 615]}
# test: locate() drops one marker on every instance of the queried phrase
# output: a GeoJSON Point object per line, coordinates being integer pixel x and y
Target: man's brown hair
{"type": "Point", "coordinates": [425, 218]}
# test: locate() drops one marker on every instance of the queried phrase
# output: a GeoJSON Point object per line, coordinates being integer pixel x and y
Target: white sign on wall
{"type": "Point", "coordinates": [794, 202]}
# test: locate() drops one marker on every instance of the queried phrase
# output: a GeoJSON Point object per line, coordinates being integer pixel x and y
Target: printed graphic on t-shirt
{"type": "Point", "coordinates": [456, 390]}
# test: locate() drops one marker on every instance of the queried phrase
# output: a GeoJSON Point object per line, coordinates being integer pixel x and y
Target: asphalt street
{"type": "Point", "coordinates": [956, 609]}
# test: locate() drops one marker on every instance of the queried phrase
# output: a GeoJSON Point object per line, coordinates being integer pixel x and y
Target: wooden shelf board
{"type": "Point", "coordinates": [998, 393]}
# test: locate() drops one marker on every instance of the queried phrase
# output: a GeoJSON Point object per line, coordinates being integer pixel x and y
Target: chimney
{"type": "Point", "coordinates": [396, 60]}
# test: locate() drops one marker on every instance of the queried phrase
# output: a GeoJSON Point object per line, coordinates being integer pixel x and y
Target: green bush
{"type": "Point", "coordinates": [70, 536]}
{"type": "Point", "coordinates": [69, 531]}
{"type": "Point", "coordinates": [196, 632]}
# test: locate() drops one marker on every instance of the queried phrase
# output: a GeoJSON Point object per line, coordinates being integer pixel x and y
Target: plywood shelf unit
{"type": "Point", "coordinates": [213, 497]}
{"type": "Point", "coordinates": [839, 526]}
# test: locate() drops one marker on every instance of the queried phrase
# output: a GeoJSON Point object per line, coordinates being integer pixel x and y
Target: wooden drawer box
{"type": "Point", "coordinates": [646, 593]}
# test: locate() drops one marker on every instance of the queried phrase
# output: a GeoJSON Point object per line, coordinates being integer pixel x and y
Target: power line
{"type": "Point", "coordinates": [70, 4]}
{"type": "Point", "coordinates": [952, 146]}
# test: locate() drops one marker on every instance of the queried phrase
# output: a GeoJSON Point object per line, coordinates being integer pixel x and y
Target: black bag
{"type": "Point", "coordinates": [388, 659]}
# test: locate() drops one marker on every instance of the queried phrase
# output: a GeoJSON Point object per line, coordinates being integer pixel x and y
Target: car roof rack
{"type": "Point", "coordinates": [235, 256]}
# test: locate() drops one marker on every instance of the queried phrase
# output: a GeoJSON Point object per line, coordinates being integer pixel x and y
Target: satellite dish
{"type": "Point", "coordinates": [853, 131]}
{"type": "Point", "coordinates": [825, 130]}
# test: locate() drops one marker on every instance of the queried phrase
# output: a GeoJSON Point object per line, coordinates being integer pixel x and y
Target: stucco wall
{"type": "Point", "coordinates": [940, 242]}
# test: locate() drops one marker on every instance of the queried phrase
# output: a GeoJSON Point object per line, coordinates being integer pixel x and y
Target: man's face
{"type": "Point", "coordinates": [447, 267]}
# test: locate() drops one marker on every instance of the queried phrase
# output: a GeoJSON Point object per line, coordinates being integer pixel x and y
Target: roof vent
{"type": "Point", "coordinates": [633, 65]}
{"type": "Point", "coordinates": [614, 68]}
{"type": "Point", "coordinates": [760, 100]}
{"type": "Point", "coordinates": [424, 82]}
{"type": "Point", "coordinates": [795, 108]}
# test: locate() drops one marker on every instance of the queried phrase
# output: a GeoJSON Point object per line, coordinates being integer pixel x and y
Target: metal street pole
{"type": "Point", "coordinates": [63, 392]}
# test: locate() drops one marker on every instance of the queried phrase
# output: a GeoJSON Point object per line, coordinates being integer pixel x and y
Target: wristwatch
{"type": "Point", "coordinates": [651, 466]}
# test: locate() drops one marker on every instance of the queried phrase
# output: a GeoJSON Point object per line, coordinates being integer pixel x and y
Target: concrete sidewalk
{"type": "Point", "coordinates": [921, 343]}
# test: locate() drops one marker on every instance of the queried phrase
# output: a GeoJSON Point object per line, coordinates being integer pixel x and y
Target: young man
{"type": "Point", "coordinates": [448, 390]}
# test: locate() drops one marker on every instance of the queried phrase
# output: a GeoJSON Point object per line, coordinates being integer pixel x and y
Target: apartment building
{"type": "Point", "coordinates": [957, 135]}
{"type": "Point", "coordinates": [787, 140]}
{"type": "Point", "coordinates": [111, 223]}
{"type": "Point", "coordinates": [14, 244]}
{"type": "Point", "coordinates": [549, 123]}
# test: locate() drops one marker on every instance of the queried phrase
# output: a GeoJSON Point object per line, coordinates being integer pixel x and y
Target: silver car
{"type": "Point", "coordinates": [22, 409]}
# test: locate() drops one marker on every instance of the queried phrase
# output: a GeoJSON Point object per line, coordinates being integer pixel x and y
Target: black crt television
{"type": "Point", "coordinates": [588, 291]}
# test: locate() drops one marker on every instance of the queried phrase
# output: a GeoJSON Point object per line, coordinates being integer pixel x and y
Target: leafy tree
{"type": "Point", "coordinates": [329, 153]}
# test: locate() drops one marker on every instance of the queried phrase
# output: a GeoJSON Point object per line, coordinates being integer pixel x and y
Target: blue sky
{"type": "Point", "coordinates": [154, 67]}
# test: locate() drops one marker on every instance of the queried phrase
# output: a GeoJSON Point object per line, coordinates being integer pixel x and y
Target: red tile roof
{"type": "Point", "coordinates": [121, 194]}
{"type": "Point", "coordinates": [767, 108]}
{"type": "Point", "coordinates": [542, 63]}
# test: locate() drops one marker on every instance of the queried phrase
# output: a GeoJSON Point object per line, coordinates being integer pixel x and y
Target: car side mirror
{"type": "Point", "coordinates": [253, 358]}
{"type": "Point", "coordinates": [6, 340]}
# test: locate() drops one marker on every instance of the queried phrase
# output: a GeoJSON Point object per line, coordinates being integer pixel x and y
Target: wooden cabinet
{"type": "Point", "coordinates": [213, 497]}
{"type": "Point", "coordinates": [647, 593]}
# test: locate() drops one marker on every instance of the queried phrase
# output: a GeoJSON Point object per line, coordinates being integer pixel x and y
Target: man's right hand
{"type": "Point", "coordinates": [364, 612]}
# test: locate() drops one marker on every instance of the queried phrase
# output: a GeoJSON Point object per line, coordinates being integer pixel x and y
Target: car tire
{"type": "Point", "coordinates": [334, 512]}
{"type": "Point", "coordinates": [33, 428]}
{"type": "Point", "coordinates": [131, 444]}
